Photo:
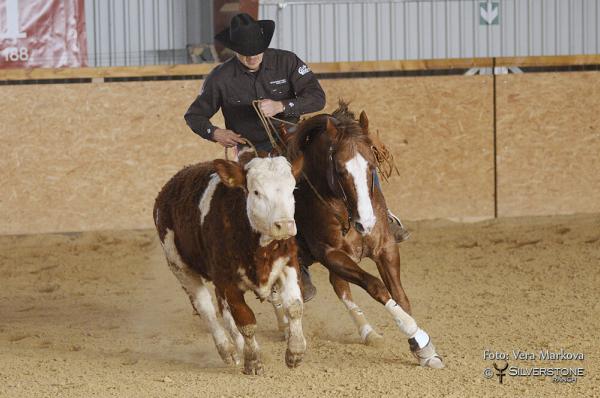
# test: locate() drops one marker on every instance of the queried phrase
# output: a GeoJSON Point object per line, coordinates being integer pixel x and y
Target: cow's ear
{"type": "Point", "coordinates": [230, 173]}
{"type": "Point", "coordinates": [297, 166]}
{"type": "Point", "coordinates": [364, 122]}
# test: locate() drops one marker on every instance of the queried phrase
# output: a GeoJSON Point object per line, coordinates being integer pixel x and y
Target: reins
{"type": "Point", "coordinates": [246, 141]}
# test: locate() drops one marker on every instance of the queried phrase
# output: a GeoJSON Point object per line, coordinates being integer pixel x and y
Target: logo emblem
{"type": "Point", "coordinates": [303, 70]}
{"type": "Point", "coordinates": [501, 371]}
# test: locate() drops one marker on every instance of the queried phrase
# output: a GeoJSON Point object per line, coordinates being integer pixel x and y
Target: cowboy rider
{"type": "Point", "coordinates": [282, 83]}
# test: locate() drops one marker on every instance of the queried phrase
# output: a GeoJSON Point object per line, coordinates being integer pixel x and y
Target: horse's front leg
{"type": "Point", "coordinates": [388, 265]}
{"type": "Point", "coordinates": [368, 335]}
{"type": "Point", "coordinates": [340, 263]}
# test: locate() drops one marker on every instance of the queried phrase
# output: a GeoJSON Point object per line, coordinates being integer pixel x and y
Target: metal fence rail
{"type": "Point", "coordinates": [145, 32]}
{"type": "Point", "coordinates": [361, 30]}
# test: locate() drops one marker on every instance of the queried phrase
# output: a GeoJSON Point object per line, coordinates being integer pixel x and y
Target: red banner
{"type": "Point", "coordinates": [42, 34]}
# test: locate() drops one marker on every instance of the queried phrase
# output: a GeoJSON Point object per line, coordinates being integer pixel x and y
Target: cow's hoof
{"type": "Point", "coordinates": [293, 360]}
{"type": "Point", "coordinates": [427, 356]}
{"type": "Point", "coordinates": [228, 353]}
{"type": "Point", "coordinates": [373, 339]}
{"type": "Point", "coordinates": [253, 367]}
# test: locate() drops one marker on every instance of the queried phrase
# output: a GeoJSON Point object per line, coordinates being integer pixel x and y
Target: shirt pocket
{"type": "Point", "coordinates": [280, 91]}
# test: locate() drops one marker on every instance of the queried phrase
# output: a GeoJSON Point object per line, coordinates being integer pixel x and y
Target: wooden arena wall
{"type": "Point", "coordinates": [94, 155]}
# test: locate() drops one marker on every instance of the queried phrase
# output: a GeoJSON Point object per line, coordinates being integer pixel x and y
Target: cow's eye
{"type": "Point", "coordinates": [256, 193]}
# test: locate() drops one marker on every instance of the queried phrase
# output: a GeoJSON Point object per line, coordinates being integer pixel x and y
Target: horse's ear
{"type": "Point", "coordinates": [230, 173]}
{"type": "Point", "coordinates": [364, 122]}
{"type": "Point", "coordinates": [331, 129]}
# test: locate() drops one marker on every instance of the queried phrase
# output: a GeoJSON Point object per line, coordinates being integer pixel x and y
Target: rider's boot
{"type": "Point", "coordinates": [400, 233]}
{"type": "Point", "coordinates": [309, 290]}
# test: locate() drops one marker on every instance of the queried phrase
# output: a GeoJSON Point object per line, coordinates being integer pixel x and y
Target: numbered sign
{"type": "Point", "coordinates": [42, 33]}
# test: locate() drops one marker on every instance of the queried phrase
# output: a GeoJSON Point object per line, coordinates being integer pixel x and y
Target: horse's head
{"type": "Point", "coordinates": [341, 147]}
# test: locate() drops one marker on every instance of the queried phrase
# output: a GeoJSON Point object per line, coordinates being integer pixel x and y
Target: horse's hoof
{"type": "Point", "coordinates": [427, 356]}
{"type": "Point", "coordinates": [293, 360]}
{"type": "Point", "coordinates": [373, 339]}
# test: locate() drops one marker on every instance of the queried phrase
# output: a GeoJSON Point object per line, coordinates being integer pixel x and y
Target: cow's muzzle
{"type": "Point", "coordinates": [283, 228]}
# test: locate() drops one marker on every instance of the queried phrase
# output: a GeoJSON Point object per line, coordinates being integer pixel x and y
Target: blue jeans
{"type": "Point", "coordinates": [376, 180]}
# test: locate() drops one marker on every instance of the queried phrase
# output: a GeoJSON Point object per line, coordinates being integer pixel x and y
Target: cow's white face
{"type": "Point", "coordinates": [270, 203]}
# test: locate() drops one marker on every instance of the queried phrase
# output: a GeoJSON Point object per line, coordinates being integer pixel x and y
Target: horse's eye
{"type": "Point", "coordinates": [256, 193]}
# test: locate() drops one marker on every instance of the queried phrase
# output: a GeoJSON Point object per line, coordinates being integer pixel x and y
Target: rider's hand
{"type": "Point", "coordinates": [227, 138]}
{"type": "Point", "coordinates": [270, 107]}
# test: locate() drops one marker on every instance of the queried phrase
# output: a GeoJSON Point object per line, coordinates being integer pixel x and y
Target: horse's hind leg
{"type": "Point", "coordinates": [367, 334]}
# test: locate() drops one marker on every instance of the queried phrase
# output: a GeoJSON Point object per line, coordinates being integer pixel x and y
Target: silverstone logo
{"type": "Point", "coordinates": [501, 371]}
{"type": "Point", "coordinates": [558, 374]}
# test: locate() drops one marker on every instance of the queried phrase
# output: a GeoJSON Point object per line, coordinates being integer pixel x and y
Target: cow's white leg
{"type": "Point", "coordinates": [195, 287]}
{"type": "Point", "coordinates": [418, 339]}
{"type": "Point", "coordinates": [277, 302]}
{"type": "Point", "coordinates": [368, 335]}
{"type": "Point", "coordinates": [293, 306]}
{"type": "Point", "coordinates": [231, 327]}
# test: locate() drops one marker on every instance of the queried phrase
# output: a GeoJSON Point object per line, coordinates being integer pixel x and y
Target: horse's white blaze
{"type": "Point", "coordinates": [204, 204]}
{"type": "Point", "coordinates": [358, 167]}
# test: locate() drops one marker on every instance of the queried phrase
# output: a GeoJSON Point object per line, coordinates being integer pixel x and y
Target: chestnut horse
{"type": "Point", "coordinates": [341, 218]}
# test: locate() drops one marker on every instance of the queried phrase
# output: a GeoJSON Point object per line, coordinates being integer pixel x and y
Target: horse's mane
{"type": "Point", "coordinates": [349, 130]}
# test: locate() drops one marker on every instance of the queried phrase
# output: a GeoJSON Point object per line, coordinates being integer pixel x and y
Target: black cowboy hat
{"type": "Point", "coordinates": [247, 36]}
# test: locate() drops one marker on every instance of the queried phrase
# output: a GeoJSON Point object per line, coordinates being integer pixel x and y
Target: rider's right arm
{"type": "Point", "coordinates": [203, 108]}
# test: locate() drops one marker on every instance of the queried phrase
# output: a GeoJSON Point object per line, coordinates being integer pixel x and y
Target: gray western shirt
{"type": "Point", "coordinates": [231, 87]}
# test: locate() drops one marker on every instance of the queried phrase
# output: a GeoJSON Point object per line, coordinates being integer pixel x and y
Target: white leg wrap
{"type": "Point", "coordinates": [405, 322]}
{"type": "Point", "coordinates": [421, 337]}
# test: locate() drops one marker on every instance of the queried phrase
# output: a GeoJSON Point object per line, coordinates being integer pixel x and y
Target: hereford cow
{"type": "Point", "coordinates": [233, 224]}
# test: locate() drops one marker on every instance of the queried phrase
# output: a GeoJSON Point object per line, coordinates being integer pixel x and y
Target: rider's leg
{"type": "Point", "coordinates": [308, 288]}
{"type": "Point", "coordinates": [400, 233]}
